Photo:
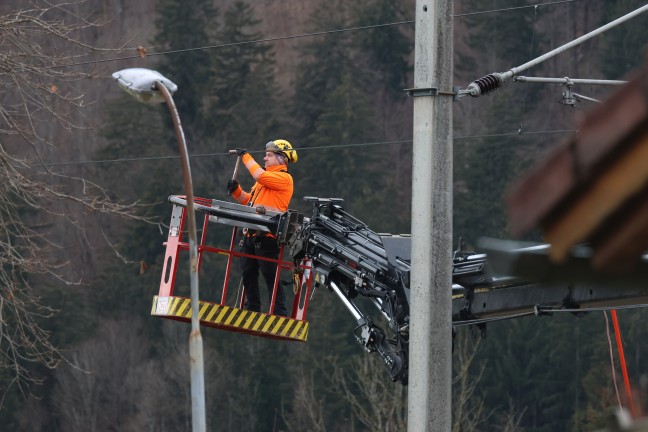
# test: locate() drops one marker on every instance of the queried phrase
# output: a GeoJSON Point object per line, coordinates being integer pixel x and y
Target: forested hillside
{"type": "Point", "coordinates": [338, 97]}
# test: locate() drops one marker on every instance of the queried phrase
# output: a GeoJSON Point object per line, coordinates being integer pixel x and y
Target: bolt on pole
{"type": "Point", "coordinates": [430, 362]}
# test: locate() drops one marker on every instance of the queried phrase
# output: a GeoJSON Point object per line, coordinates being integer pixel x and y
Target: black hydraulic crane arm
{"type": "Point", "coordinates": [363, 267]}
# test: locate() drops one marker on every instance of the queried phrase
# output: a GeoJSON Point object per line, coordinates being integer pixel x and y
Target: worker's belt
{"type": "Point", "coordinates": [247, 232]}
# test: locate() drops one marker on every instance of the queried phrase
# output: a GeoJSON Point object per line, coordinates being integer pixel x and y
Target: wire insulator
{"type": "Point", "coordinates": [485, 84]}
{"type": "Point", "coordinates": [488, 83]}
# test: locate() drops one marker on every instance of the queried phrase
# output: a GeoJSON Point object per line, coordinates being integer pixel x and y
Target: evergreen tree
{"type": "Point", "coordinates": [355, 174]}
{"type": "Point", "coordinates": [484, 168]}
{"type": "Point", "coordinates": [335, 106]}
{"type": "Point", "coordinates": [185, 25]}
{"type": "Point", "coordinates": [240, 70]}
{"type": "Point", "coordinates": [242, 98]}
{"type": "Point", "coordinates": [182, 26]}
{"type": "Point", "coordinates": [326, 60]}
{"type": "Point", "coordinates": [484, 171]}
{"type": "Point", "coordinates": [387, 48]}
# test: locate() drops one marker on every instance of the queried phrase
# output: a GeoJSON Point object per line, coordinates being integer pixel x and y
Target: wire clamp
{"type": "Point", "coordinates": [539, 310]}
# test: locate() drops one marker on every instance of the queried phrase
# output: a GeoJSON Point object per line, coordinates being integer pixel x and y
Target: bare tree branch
{"type": "Point", "coordinates": [39, 95]}
{"type": "Point", "coordinates": [376, 402]}
{"type": "Point", "coordinates": [467, 407]}
{"type": "Point", "coordinates": [308, 410]}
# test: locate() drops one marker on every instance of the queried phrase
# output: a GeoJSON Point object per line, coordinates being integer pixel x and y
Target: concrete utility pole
{"type": "Point", "coordinates": [430, 362]}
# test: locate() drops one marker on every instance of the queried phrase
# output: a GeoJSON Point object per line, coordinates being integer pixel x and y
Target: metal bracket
{"type": "Point", "coordinates": [424, 91]}
{"type": "Point", "coordinates": [432, 91]}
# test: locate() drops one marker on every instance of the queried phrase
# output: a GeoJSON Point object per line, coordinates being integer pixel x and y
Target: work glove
{"type": "Point", "coordinates": [238, 151]}
{"type": "Point", "coordinates": [232, 185]}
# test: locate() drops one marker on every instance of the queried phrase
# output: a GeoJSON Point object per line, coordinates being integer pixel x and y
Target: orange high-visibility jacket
{"type": "Point", "coordinates": [273, 188]}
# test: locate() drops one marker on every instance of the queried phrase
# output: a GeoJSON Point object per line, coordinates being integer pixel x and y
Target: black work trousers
{"type": "Point", "coordinates": [266, 247]}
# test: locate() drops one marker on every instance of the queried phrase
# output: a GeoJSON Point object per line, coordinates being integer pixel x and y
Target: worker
{"type": "Point", "coordinates": [273, 190]}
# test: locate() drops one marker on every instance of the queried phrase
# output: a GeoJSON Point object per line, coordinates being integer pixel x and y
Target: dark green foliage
{"type": "Point", "coordinates": [270, 366]}
{"type": "Point", "coordinates": [537, 363]}
{"type": "Point", "coordinates": [326, 61]}
{"type": "Point", "coordinates": [507, 36]}
{"type": "Point", "coordinates": [256, 117]}
{"type": "Point", "coordinates": [181, 26]}
{"type": "Point", "coordinates": [244, 105]}
{"type": "Point", "coordinates": [137, 131]}
{"type": "Point", "coordinates": [335, 108]}
{"type": "Point", "coordinates": [11, 399]}
{"type": "Point", "coordinates": [346, 118]}
{"type": "Point", "coordinates": [387, 48]}
{"type": "Point", "coordinates": [484, 167]}
{"type": "Point", "coordinates": [625, 45]}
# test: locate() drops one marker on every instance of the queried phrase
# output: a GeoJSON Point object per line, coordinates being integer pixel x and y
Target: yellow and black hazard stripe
{"type": "Point", "coordinates": [231, 318]}
{"type": "Point", "coordinates": [474, 291]}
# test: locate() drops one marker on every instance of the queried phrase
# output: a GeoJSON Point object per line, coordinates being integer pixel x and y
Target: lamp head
{"type": "Point", "coordinates": [141, 83]}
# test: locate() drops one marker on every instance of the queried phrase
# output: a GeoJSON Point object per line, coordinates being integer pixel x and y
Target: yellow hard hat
{"type": "Point", "coordinates": [283, 148]}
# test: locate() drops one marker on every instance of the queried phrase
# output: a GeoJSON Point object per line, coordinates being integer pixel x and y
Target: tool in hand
{"type": "Point", "coordinates": [238, 161]}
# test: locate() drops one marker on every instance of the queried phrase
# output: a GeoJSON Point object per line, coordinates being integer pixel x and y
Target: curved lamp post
{"type": "Point", "coordinates": [151, 87]}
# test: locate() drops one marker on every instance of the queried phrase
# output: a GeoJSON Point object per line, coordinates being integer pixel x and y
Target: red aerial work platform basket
{"type": "Point", "coordinates": [227, 313]}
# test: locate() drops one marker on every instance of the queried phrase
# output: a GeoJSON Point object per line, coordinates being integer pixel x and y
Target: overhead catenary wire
{"type": "Point", "coordinates": [331, 147]}
{"type": "Point", "coordinates": [518, 133]}
{"type": "Point", "coordinates": [524, 99]}
{"type": "Point", "coordinates": [224, 153]}
{"type": "Point", "coordinates": [567, 80]}
{"type": "Point", "coordinates": [249, 42]}
{"type": "Point", "coordinates": [297, 36]}
{"type": "Point", "coordinates": [510, 9]}
{"type": "Point", "coordinates": [318, 33]}
{"type": "Point", "coordinates": [278, 38]}
{"type": "Point", "coordinates": [495, 80]}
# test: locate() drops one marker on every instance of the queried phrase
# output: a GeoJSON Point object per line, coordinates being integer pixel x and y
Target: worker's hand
{"type": "Point", "coordinates": [238, 151]}
{"type": "Point", "coordinates": [232, 185]}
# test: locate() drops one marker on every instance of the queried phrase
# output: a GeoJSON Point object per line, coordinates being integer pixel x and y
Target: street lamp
{"type": "Point", "coordinates": [151, 87]}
